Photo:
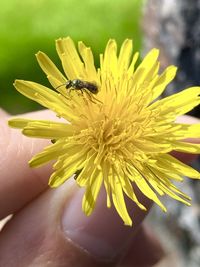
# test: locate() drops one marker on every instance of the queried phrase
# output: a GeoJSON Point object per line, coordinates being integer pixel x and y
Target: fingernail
{"type": "Point", "coordinates": [103, 234]}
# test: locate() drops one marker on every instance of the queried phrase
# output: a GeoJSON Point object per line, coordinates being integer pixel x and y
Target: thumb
{"type": "Point", "coordinates": [34, 236]}
{"type": "Point", "coordinates": [52, 231]}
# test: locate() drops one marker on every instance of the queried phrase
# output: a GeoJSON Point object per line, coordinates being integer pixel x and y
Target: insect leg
{"type": "Point", "coordinates": [89, 96]}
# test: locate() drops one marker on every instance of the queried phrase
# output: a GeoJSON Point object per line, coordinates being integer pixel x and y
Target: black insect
{"type": "Point", "coordinates": [82, 86]}
{"type": "Point", "coordinates": [79, 85]}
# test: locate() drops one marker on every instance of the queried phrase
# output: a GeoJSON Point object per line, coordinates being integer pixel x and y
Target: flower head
{"type": "Point", "coordinates": [119, 137]}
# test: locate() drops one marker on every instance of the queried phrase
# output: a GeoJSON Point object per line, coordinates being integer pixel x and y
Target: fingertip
{"type": "Point", "coordinates": [3, 114]}
{"type": "Point", "coordinates": [20, 183]}
{"type": "Point", "coordinates": [103, 234]}
{"type": "Point", "coordinates": [187, 119]}
{"type": "Point", "coordinates": [186, 157]}
{"type": "Point", "coordinates": [35, 235]}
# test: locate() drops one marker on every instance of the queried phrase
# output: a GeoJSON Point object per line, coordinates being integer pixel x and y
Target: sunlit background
{"type": "Point", "coordinates": [29, 26]}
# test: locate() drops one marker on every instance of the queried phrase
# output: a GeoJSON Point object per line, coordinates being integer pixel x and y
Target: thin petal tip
{"type": "Point", "coordinates": [155, 51]}
{"type": "Point", "coordinates": [18, 83]}
{"type": "Point", "coordinates": [10, 122]}
{"type": "Point", "coordinates": [39, 53]}
{"type": "Point", "coordinates": [164, 209]}
{"type": "Point", "coordinates": [52, 184]}
{"type": "Point", "coordinates": [128, 223]}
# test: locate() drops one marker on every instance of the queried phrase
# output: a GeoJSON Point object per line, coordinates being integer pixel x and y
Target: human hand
{"type": "Point", "coordinates": [48, 227]}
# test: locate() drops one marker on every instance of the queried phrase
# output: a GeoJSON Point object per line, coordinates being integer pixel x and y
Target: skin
{"type": "Point", "coordinates": [42, 229]}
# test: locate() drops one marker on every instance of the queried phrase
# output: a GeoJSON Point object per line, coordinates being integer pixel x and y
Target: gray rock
{"type": "Point", "coordinates": [174, 28]}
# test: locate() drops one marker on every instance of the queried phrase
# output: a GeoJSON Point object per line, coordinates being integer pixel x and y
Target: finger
{"type": "Point", "coordinates": [187, 158]}
{"type": "Point", "coordinates": [187, 119]}
{"type": "Point", "coordinates": [19, 183]}
{"type": "Point", "coordinates": [52, 231]}
{"type": "Point", "coordinates": [3, 113]}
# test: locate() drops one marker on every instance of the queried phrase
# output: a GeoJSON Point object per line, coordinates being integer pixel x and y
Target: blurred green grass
{"type": "Point", "coordinates": [29, 26]}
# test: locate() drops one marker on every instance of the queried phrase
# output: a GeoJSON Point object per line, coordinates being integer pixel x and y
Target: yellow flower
{"type": "Point", "coordinates": [120, 136]}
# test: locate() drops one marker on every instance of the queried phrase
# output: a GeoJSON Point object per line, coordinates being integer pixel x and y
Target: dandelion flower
{"type": "Point", "coordinates": [118, 138]}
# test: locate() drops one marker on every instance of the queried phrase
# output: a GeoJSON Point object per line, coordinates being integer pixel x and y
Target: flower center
{"type": "Point", "coordinates": [108, 139]}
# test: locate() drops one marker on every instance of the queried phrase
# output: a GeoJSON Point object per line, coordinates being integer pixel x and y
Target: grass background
{"type": "Point", "coordinates": [32, 25]}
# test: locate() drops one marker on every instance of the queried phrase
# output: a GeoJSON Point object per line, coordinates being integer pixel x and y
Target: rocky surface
{"type": "Point", "coordinates": [174, 28]}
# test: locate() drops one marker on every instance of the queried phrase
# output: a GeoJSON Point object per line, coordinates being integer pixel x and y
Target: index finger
{"type": "Point", "coordinates": [20, 183]}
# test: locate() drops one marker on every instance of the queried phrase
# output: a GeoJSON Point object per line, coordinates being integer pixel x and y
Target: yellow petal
{"type": "Point", "coordinates": [145, 68]}
{"type": "Point", "coordinates": [125, 55]}
{"type": "Point", "coordinates": [44, 96]}
{"type": "Point", "coordinates": [50, 68]}
{"type": "Point", "coordinates": [71, 62]}
{"type": "Point", "coordinates": [188, 131]}
{"type": "Point", "coordinates": [49, 153]}
{"type": "Point", "coordinates": [20, 123]}
{"type": "Point", "coordinates": [88, 59]}
{"type": "Point", "coordinates": [110, 59]}
{"type": "Point", "coordinates": [92, 191]}
{"type": "Point", "coordinates": [107, 182]}
{"type": "Point", "coordinates": [163, 80]}
{"type": "Point", "coordinates": [186, 147]}
{"type": "Point", "coordinates": [86, 172]}
{"type": "Point", "coordinates": [69, 167]}
{"type": "Point", "coordinates": [119, 202]}
{"type": "Point", "coordinates": [177, 104]}
{"type": "Point", "coordinates": [48, 129]}
{"type": "Point", "coordinates": [167, 162]}
{"type": "Point", "coordinates": [146, 190]}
